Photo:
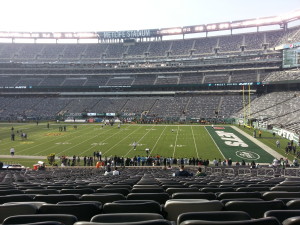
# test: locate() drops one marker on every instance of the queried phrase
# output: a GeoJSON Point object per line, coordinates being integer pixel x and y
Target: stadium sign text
{"type": "Point", "coordinates": [231, 139]}
{"type": "Point", "coordinates": [125, 34]}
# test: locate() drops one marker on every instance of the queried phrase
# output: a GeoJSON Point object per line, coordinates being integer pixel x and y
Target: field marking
{"type": "Point", "coordinates": [195, 142]}
{"type": "Point", "coordinates": [175, 142]}
{"type": "Point", "coordinates": [139, 140]}
{"type": "Point", "coordinates": [90, 139]}
{"type": "Point", "coordinates": [76, 137]}
{"type": "Point", "coordinates": [57, 138]}
{"type": "Point", "coordinates": [157, 140]}
{"type": "Point", "coordinates": [215, 143]}
{"type": "Point", "coordinates": [120, 141]}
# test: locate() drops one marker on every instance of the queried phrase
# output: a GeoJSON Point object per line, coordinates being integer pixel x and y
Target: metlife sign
{"type": "Point", "coordinates": [127, 34]}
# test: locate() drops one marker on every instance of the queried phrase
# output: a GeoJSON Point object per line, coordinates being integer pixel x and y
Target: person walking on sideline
{"type": "Point", "coordinates": [12, 151]}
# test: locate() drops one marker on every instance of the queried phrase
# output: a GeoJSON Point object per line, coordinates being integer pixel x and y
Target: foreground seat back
{"type": "Point", "coordinates": [214, 216]}
{"type": "Point", "coordinates": [22, 219]}
{"type": "Point", "coordinates": [12, 210]}
{"type": "Point", "coordinates": [125, 217]}
{"type": "Point", "coordinates": [83, 212]}
{"type": "Point", "coordinates": [256, 209]}
{"type": "Point", "coordinates": [175, 207]}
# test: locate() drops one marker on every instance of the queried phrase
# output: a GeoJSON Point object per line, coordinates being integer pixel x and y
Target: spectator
{"type": "Point", "coordinates": [182, 172]}
{"type": "Point", "coordinates": [116, 171]}
{"type": "Point", "coordinates": [200, 173]}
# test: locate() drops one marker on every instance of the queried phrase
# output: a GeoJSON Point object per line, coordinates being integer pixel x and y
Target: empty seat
{"type": "Point", "coordinates": [99, 204]}
{"type": "Point", "coordinates": [224, 201]}
{"type": "Point", "coordinates": [16, 198]}
{"type": "Point", "coordinates": [228, 195]}
{"type": "Point", "coordinates": [161, 198]}
{"type": "Point", "coordinates": [12, 210]}
{"type": "Point", "coordinates": [83, 211]}
{"type": "Point", "coordinates": [132, 206]}
{"type": "Point", "coordinates": [215, 190]}
{"type": "Point", "coordinates": [256, 209]}
{"type": "Point", "coordinates": [171, 191]}
{"type": "Point", "coordinates": [286, 188]}
{"type": "Point", "coordinates": [103, 197]}
{"type": "Point", "coordinates": [252, 189]}
{"type": "Point", "coordinates": [292, 221]}
{"type": "Point", "coordinates": [41, 191]}
{"type": "Point", "coordinates": [11, 192]}
{"type": "Point", "coordinates": [147, 190]}
{"type": "Point", "coordinates": [148, 222]}
{"type": "Point", "coordinates": [125, 217]}
{"type": "Point", "coordinates": [80, 191]}
{"type": "Point", "coordinates": [214, 216]}
{"type": "Point", "coordinates": [175, 207]}
{"type": "Point", "coordinates": [194, 195]}
{"type": "Point", "coordinates": [25, 219]}
{"type": "Point", "coordinates": [260, 221]}
{"type": "Point", "coordinates": [271, 195]}
{"type": "Point", "coordinates": [293, 204]}
{"type": "Point", "coordinates": [282, 215]}
{"type": "Point", "coordinates": [55, 198]}
{"type": "Point", "coordinates": [123, 191]}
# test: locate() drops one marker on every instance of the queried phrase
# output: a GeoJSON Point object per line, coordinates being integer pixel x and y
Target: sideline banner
{"type": "Point", "coordinates": [236, 146]}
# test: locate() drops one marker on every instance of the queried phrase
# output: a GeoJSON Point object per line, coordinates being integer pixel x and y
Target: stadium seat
{"type": "Point", "coordinates": [215, 190]}
{"type": "Point", "coordinates": [293, 204]}
{"type": "Point", "coordinates": [41, 191]}
{"type": "Point", "coordinates": [175, 207]}
{"type": "Point", "coordinates": [260, 221]}
{"type": "Point", "coordinates": [103, 197]}
{"type": "Point", "coordinates": [148, 222]}
{"type": "Point", "coordinates": [16, 198]}
{"type": "Point", "coordinates": [194, 195]}
{"type": "Point", "coordinates": [228, 195]}
{"type": "Point", "coordinates": [55, 198]}
{"type": "Point", "coordinates": [271, 195]}
{"type": "Point", "coordinates": [255, 209]}
{"type": "Point", "coordinates": [295, 220]}
{"type": "Point", "coordinates": [123, 191]}
{"type": "Point", "coordinates": [80, 191]}
{"type": "Point", "coordinates": [83, 211]}
{"type": "Point", "coordinates": [214, 216]}
{"type": "Point", "coordinates": [171, 191]}
{"type": "Point", "coordinates": [25, 219]}
{"type": "Point", "coordinates": [282, 215]}
{"type": "Point", "coordinates": [13, 210]}
{"type": "Point", "coordinates": [132, 206]}
{"type": "Point", "coordinates": [125, 217]}
{"type": "Point", "coordinates": [161, 198]}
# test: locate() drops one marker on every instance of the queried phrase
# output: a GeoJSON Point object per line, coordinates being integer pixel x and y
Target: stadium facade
{"type": "Point", "coordinates": [140, 75]}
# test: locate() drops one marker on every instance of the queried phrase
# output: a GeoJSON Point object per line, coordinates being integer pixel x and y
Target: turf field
{"type": "Point", "coordinates": [178, 141]}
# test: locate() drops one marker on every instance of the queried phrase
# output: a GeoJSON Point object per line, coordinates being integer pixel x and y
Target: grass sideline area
{"type": "Point", "coordinates": [178, 141]}
{"type": "Point", "coordinates": [268, 139]}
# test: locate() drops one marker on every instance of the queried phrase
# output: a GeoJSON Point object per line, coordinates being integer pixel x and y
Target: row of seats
{"type": "Point", "coordinates": [124, 212]}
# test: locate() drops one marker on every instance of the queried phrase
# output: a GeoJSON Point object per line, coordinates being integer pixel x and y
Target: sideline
{"type": "Point", "coordinates": [260, 144]}
{"type": "Point", "coordinates": [23, 157]}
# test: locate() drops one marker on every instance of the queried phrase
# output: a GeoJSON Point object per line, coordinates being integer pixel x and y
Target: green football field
{"type": "Point", "coordinates": [165, 140]}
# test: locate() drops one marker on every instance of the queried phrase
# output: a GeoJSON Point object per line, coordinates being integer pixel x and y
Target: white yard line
{"type": "Point", "coordinates": [139, 140]}
{"type": "Point", "coordinates": [175, 142]}
{"type": "Point", "coordinates": [195, 142]}
{"type": "Point", "coordinates": [157, 140]}
{"type": "Point", "coordinates": [214, 142]}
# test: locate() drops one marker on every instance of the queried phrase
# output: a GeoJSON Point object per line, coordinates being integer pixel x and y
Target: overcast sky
{"type": "Point", "coordinates": [113, 15]}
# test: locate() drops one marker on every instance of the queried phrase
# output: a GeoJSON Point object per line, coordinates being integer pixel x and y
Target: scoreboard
{"type": "Point", "coordinates": [291, 58]}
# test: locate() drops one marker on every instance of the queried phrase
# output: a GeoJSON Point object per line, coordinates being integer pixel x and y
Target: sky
{"type": "Point", "coordinates": [114, 15]}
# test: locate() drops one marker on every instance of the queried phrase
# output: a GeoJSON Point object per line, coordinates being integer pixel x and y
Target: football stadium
{"type": "Point", "coordinates": [181, 125]}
